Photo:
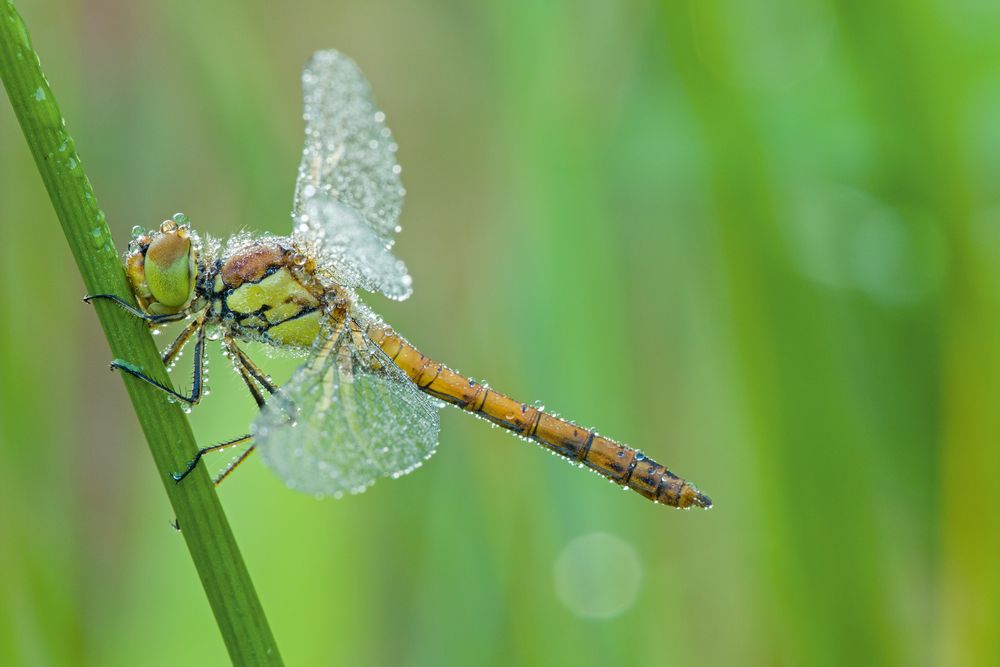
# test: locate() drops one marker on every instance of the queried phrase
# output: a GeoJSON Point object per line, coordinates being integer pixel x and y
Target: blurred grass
{"type": "Point", "coordinates": [759, 241]}
{"type": "Point", "coordinates": [210, 540]}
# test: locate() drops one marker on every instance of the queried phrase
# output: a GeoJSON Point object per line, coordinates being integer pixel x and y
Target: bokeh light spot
{"type": "Point", "coordinates": [597, 576]}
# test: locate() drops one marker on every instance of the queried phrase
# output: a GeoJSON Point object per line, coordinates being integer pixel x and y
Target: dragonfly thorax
{"type": "Point", "coordinates": [268, 289]}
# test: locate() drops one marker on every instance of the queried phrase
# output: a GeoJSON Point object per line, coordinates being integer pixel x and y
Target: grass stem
{"type": "Point", "coordinates": [209, 538]}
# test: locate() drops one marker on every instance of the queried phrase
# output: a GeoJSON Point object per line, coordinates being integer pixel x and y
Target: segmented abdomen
{"type": "Point", "coordinates": [619, 463]}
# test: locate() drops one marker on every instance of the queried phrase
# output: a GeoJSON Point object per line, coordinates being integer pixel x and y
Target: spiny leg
{"type": "Point", "coordinates": [235, 464]}
{"type": "Point", "coordinates": [135, 312]}
{"type": "Point", "coordinates": [252, 387]}
{"type": "Point", "coordinates": [197, 325]}
{"type": "Point", "coordinates": [247, 363]}
{"type": "Point", "coordinates": [251, 375]}
{"type": "Point", "coordinates": [236, 442]}
{"type": "Point", "coordinates": [249, 372]}
{"type": "Point", "coordinates": [182, 339]}
{"type": "Point", "coordinates": [199, 361]}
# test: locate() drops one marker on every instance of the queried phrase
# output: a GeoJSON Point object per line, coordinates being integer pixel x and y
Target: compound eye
{"type": "Point", "coordinates": [169, 269]}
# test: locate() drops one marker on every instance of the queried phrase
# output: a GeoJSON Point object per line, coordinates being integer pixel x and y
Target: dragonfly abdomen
{"type": "Point", "coordinates": [617, 462]}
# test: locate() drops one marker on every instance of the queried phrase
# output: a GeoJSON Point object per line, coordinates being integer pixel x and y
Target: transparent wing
{"type": "Point", "coordinates": [350, 249]}
{"type": "Point", "coordinates": [349, 158]}
{"type": "Point", "coordinates": [357, 417]}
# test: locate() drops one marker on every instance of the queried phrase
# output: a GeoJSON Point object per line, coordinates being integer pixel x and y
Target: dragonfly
{"type": "Point", "coordinates": [365, 403]}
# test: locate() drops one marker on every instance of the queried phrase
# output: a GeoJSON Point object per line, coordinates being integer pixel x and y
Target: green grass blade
{"type": "Point", "coordinates": [227, 583]}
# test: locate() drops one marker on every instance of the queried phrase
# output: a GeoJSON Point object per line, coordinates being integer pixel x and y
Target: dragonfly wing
{"type": "Point", "coordinates": [350, 158]}
{"type": "Point", "coordinates": [351, 249]}
{"type": "Point", "coordinates": [357, 417]}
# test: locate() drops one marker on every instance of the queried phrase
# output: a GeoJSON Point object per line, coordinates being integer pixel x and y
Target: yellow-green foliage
{"type": "Point", "coordinates": [758, 240]}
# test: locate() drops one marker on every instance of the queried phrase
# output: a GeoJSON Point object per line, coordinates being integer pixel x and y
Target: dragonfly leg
{"type": "Point", "coordinates": [193, 463]}
{"type": "Point", "coordinates": [235, 464]}
{"type": "Point", "coordinates": [241, 368]}
{"type": "Point", "coordinates": [199, 370]}
{"type": "Point", "coordinates": [251, 375]}
{"type": "Point", "coordinates": [182, 339]}
{"type": "Point", "coordinates": [247, 364]}
{"type": "Point", "coordinates": [132, 310]}
{"type": "Point", "coordinates": [252, 387]}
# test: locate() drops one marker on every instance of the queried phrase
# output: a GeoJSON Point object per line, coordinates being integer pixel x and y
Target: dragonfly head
{"type": "Point", "coordinates": [162, 266]}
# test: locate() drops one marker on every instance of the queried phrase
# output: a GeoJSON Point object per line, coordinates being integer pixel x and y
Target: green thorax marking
{"type": "Point", "coordinates": [268, 297]}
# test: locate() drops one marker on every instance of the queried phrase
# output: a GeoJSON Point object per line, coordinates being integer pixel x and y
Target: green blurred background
{"type": "Point", "coordinates": [758, 239]}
